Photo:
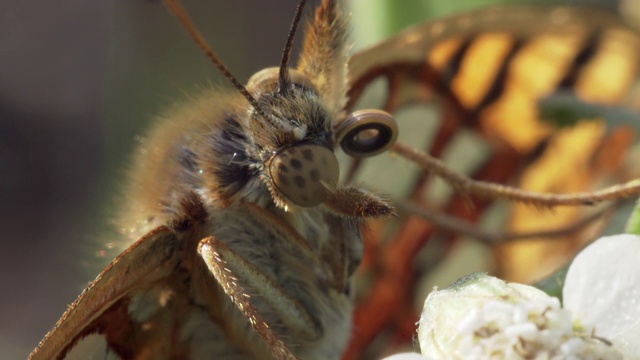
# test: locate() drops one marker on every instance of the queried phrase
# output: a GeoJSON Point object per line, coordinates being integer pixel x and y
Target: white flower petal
{"type": "Point", "coordinates": [602, 288]}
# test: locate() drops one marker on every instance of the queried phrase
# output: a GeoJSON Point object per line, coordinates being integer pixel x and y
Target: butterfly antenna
{"type": "Point", "coordinates": [176, 8]}
{"type": "Point", "coordinates": [286, 54]}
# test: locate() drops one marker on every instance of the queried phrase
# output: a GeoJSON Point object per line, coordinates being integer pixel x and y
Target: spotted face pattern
{"type": "Point", "coordinates": [305, 173]}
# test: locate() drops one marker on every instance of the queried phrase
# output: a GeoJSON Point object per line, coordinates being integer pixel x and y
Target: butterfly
{"type": "Point", "coordinates": [247, 240]}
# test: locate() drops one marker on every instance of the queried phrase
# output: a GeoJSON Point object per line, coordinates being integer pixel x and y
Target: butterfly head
{"type": "Point", "coordinates": [296, 134]}
{"type": "Point", "coordinates": [294, 121]}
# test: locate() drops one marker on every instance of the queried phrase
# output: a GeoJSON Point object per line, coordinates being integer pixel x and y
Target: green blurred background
{"type": "Point", "coordinates": [79, 81]}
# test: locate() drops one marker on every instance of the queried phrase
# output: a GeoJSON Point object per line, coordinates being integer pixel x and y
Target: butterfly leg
{"type": "Point", "coordinates": [229, 269]}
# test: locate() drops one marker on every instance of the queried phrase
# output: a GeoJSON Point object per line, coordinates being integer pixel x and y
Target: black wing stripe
{"type": "Point", "coordinates": [497, 88]}
{"type": "Point", "coordinates": [582, 58]}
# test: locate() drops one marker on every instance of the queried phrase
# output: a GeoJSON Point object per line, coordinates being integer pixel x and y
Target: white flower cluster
{"type": "Point", "coordinates": [482, 317]}
{"type": "Point", "coordinates": [531, 329]}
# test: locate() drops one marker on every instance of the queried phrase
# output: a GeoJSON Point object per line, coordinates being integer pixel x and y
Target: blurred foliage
{"type": "Point", "coordinates": [553, 284]}
{"type": "Point", "coordinates": [633, 224]}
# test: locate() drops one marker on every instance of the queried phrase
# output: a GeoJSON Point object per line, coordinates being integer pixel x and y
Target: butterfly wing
{"type": "Point", "coordinates": [85, 326]}
{"type": "Point", "coordinates": [491, 73]}
{"type": "Point", "coordinates": [495, 41]}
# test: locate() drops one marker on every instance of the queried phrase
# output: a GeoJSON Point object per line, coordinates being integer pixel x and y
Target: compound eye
{"type": "Point", "coordinates": [367, 132]}
{"type": "Point", "coordinates": [266, 80]}
{"type": "Point", "coordinates": [304, 174]}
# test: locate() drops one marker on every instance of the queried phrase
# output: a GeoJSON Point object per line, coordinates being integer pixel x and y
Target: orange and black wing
{"type": "Point", "coordinates": [484, 85]}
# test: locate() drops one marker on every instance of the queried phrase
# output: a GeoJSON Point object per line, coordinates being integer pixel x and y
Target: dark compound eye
{"type": "Point", "coordinates": [302, 173]}
{"type": "Point", "coordinates": [367, 132]}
